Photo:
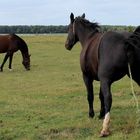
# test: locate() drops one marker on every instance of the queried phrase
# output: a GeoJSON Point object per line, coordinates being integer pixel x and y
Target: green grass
{"type": "Point", "coordinates": [49, 102]}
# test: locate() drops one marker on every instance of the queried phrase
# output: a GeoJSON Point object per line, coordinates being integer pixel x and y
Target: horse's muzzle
{"type": "Point", "coordinates": [68, 47]}
{"type": "Point", "coordinates": [27, 69]}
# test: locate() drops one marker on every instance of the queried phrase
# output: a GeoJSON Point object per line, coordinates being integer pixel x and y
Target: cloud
{"type": "Point", "coordinates": [56, 12]}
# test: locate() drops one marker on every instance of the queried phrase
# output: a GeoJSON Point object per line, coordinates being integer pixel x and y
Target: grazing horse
{"type": "Point", "coordinates": [104, 57]}
{"type": "Point", "coordinates": [10, 44]}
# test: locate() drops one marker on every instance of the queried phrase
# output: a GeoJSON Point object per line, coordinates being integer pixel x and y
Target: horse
{"type": "Point", "coordinates": [11, 43]}
{"type": "Point", "coordinates": [104, 57]}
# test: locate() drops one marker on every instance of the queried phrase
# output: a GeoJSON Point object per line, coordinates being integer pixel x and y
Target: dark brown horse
{"type": "Point", "coordinates": [104, 57]}
{"type": "Point", "coordinates": [10, 44]}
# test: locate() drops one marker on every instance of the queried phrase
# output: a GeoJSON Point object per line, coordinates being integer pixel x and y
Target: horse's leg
{"type": "Point", "coordinates": [105, 88]}
{"type": "Point", "coordinates": [10, 61]}
{"type": "Point", "coordinates": [5, 59]}
{"type": "Point", "coordinates": [102, 111]}
{"type": "Point", "coordinates": [88, 82]}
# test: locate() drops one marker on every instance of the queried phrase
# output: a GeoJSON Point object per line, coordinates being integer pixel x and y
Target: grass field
{"type": "Point", "coordinates": [49, 102]}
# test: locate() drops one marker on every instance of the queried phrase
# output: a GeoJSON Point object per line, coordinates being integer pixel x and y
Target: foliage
{"type": "Point", "coordinates": [105, 28]}
{"type": "Point", "coordinates": [38, 29]}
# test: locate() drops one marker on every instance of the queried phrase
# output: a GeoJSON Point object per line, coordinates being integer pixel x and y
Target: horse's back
{"type": "Point", "coordinates": [7, 43]}
{"type": "Point", "coordinates": [4, 43]}
{"type": "Point", "coordinates": [115, 38]}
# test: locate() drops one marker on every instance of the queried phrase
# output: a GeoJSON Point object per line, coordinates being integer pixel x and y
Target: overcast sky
{"type": "Point", "coordinates": [56, 12]}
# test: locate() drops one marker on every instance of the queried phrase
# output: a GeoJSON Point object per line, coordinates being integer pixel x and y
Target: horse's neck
{"type": "Point", "coordinates": [83, 40]}
{"type": "Point", "coordinates": [24, 49]}
{"type": "Point", "coordinates": [24, 54]}
{"type": "Point", "coordinates": [86, 39]}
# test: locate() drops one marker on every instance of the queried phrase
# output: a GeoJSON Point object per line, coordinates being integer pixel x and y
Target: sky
{"type": "Point", "coordinates": [57, 12]}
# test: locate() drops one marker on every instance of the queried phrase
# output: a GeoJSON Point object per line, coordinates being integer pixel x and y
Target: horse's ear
{"type": "Point", "coordinates": [72, 17]}
{"type": "Point", "coordinates": [83, 16]}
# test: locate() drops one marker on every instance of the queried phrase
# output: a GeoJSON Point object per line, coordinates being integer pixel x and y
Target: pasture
{"type": "Point", "coordinates": [49, 102]}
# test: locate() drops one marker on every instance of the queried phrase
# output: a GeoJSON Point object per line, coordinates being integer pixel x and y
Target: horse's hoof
{"type": "Point", "coordinates": [104, 133]}
{"type": "Point", "coordinates": [10, 69]}
{"type": "Point", "coordinates": [91, 114]}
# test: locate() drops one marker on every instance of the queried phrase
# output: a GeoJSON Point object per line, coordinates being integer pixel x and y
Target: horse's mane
{"type": "Point", "coordinates": [21, 43]}
{"type": "Point", "coordinates": [94, 26]}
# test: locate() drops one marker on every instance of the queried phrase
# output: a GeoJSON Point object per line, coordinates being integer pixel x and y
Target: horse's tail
{"type": "Point", "coordinates": [132, 44]}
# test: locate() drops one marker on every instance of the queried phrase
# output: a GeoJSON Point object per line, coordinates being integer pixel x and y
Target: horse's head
{"type": "Point", "coordinates": [72, 37]}
{"type": "Point", "coordinates": [26, 62]}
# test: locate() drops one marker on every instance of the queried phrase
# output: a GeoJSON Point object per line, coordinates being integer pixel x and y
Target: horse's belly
{"type": "Point", "coordinates": [3, 48]}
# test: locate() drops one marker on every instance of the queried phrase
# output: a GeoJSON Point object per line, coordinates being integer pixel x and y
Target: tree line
{"type": "Point", "coordinates": [39, 29]}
